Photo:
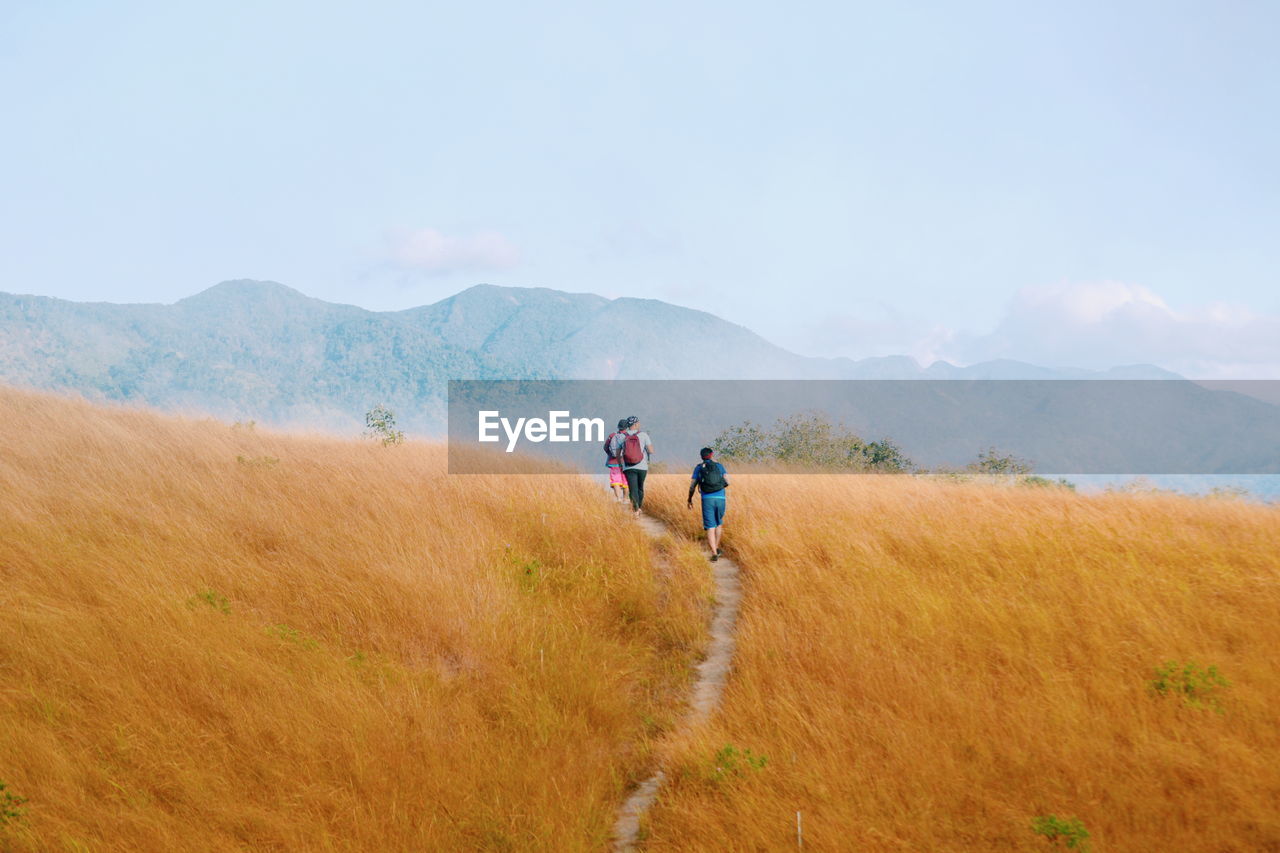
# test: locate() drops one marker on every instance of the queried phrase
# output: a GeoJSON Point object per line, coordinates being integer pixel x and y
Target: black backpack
{"type": "Point", "coordinates": [710, 479]}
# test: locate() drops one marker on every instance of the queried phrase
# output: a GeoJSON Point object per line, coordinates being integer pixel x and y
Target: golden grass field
{"type": "Point", "coordinates": [928, 666]}
{"type": "Point", "coordinates": [342, 649]}
{"type": "Point", "coordinates": [217, 638]}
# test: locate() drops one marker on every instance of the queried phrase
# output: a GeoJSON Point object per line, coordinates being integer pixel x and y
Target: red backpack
{"type": "Point", "coordinates": [632, 452]}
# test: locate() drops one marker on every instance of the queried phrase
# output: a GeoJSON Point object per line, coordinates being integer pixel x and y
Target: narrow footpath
{"type": "Point", "coordinates": [708, 689]}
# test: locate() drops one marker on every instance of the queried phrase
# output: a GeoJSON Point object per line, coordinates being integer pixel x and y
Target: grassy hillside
{"type": "Point", "coordinates": [213, 638]}
{"type": "Point", "coordinates": [931, 666]}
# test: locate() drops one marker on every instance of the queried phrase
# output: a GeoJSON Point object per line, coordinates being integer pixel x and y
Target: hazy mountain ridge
{"type": "Point", "coordinates": [251, 349]}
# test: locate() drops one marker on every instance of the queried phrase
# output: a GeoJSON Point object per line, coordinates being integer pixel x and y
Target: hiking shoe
{"type": "Point", "coordinates": [719, 552]}
{"type": "Point", "coordinates": [715, 557]}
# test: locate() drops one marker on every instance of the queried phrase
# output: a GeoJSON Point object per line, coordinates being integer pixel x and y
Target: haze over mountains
{"type": "Point", "coordinates": [261, 350]}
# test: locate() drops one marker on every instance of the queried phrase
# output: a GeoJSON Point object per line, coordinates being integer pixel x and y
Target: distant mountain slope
{"type": "Point", "coordinates": [541, 332]}
{"type": "Point", "coordinates": [252, 349]}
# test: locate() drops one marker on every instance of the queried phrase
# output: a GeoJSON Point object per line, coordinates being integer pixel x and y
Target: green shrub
{"type": "Point", "coordinates": [258, 461]}
{"type": "Point", "coordinates": [1238, 493]}
{"type": "Point", "coordinates": [292, 635]}
{"type": "Point", "coordinates": [731, 762]}
{"type": "Point", "coordinates": [211, 597]}
{"type": "Point", "coordinates": [745, 442]}
{"type": "Point", "coordinates": [995, 463]}
{"type": "Point", "coordinates": [9, 806]}
{"type": "Point", "coordinates": [1069, 830]}
{"type": "Point", "coordinates": [1045, 483]}
{"type": "Point", "coordinates": [529, 574]}
{"type": "Point", "coordinates": [1198, 686]}
{"type": "Point", "coordinates": [810, 440]}
{"type": "Point", "coordinates": [1139, 486]}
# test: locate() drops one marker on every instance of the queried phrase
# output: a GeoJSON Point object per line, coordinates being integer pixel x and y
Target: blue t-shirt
{"type": "Point", "coordinates": [697, 477]}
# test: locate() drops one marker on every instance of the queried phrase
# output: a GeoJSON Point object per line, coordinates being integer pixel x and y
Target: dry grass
{"type": "Point", "coordinates": [929, 666]}
{"type": "Point", "coordinates": [345, 649]}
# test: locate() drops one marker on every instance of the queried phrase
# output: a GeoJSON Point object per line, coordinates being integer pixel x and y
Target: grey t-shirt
{"type": "Point", "coordinates": [643, 464]}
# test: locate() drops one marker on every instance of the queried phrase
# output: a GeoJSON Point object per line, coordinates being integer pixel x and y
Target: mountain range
{"type": "Point", "coordinates": [260, 350]}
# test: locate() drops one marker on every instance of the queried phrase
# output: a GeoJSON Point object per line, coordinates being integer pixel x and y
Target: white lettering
{"type": "Point", "coordinates": [486, 424]}
{"type": "Point", "coordinates": [559, 426]}
{"type": "Point", "coordinates": [586, 424]}
{"type": "Point", "coordinates": [513, 435]}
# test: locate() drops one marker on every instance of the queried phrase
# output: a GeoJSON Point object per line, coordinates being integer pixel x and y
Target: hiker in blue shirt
{"type": "Point", "coordinates": [709, 476]}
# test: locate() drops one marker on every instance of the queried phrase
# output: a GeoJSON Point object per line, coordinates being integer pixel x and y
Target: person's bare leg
{"type": "Point", "coordinates": [713, 539]}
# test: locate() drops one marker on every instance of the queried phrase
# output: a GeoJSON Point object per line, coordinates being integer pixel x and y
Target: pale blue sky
{"type": "Point", "coordinates": [943, 179]}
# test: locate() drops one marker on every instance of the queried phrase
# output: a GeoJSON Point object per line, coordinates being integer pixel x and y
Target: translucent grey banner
{"type": "Point", "coordinates": [1120, 427]}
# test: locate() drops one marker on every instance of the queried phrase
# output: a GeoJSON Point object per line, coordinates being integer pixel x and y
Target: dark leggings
{"type": "Point", "coordinates": [635, 485]}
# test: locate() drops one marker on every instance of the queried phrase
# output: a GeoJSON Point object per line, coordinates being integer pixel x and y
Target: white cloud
{"type": "Point", "coordinates": [436, 253]}
{"type": "Point", "coordinates": [1103, 324]}
{"type": "Point", "coordinates": [865, 328]}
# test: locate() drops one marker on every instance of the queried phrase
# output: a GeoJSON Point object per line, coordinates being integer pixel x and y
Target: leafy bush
{"type": "Point", "coordinates": [1069, 830]}
{"type": "Point", "coordinates": [211, 597]}
{"type": "Point", "coordinates": [1238, 493]}
{"type": "Point", "coordinates": [1045, 483]}
{"type": "Point", "coordinates": [380, 423]}
{"type": "Point", "coordinates": [995, 463]}
{"type": "Point", "coordinates": [726, 765]}
{"type": "Point", "coordinates": [292, 635]}
{"type": "Point", "coordinates": [1138, 486]}
{"type": "Point", "coordinates": [810, 440]}
{"type": "Point", "coordinates": [9, 806]}
{"type": "Point", "coordinates": [745, 443]}
{"type": "Point", "coordinates": [884, 455]}
{"type": "Point", "coordinates": [1198, 686]}
{"type": "Point", "coordinates": [731, 761]}
{"type": "Point", "coordinates": [529, 574]}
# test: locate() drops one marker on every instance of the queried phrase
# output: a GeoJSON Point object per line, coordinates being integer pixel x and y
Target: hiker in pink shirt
{"type": "Point", "coordinates": [617, 482]}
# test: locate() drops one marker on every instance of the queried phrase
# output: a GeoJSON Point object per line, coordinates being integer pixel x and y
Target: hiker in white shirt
{"type": "Point", "coordinates": [635, 449]}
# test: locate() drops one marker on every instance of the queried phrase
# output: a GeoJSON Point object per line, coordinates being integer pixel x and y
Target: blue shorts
{"type": "Point", "coordinates": [713, 508]}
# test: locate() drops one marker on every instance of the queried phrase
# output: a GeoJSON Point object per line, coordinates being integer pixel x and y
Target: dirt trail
{"type": "Point", "coordinates": [713, 672]}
